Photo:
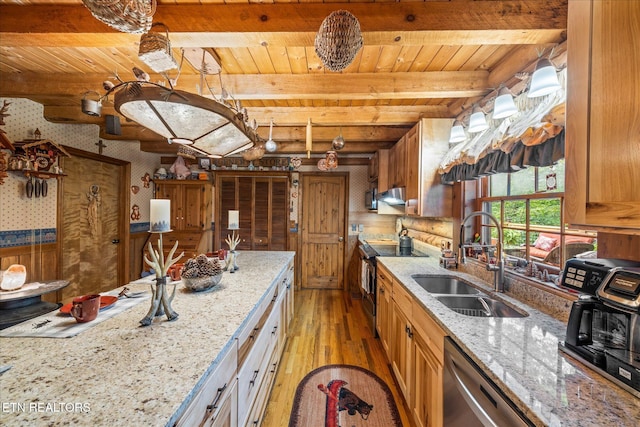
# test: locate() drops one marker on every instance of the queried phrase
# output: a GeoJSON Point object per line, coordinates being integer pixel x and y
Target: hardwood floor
{"type": "Point", "coordinates": [328, 328]}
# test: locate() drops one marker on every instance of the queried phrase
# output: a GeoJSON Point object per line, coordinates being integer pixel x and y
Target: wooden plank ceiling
{"type": "Point", "coordinates": [420, 59]}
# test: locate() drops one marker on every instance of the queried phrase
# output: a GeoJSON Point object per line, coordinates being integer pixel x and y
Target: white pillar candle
{"type": "Point", "coordinates": [234, 220]}
{"type": "Point", "coordinates": [160, 215]}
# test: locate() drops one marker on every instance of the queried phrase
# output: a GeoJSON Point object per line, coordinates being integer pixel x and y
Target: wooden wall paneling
{"type": "Point", "coordinates": [40, 260]}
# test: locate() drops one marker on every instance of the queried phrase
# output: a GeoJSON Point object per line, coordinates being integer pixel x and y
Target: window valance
{"type": "Point", "coordinates": [532, 137]}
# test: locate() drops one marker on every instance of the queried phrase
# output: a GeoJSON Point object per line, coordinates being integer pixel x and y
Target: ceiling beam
{"type": "Point", "coordinates": [362, 86]}
{"type": "Point", "coordinates": [366, 117]}
{"type": "Point", "coordinates": [293, 24]}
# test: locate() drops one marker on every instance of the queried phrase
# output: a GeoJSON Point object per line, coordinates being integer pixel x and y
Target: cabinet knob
{"type": "Point", "coordinates": [340, 239]}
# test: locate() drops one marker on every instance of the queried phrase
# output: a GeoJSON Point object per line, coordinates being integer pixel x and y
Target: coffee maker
{"type": "Point", "coordinates": [604, 324]}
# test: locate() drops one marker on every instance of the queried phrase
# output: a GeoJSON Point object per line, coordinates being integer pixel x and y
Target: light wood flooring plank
{"type": "Point", "coordinates": [328, 328]}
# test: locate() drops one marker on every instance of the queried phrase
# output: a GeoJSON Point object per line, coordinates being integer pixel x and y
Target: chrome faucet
{"type": "Point", "coordinates": [498, 267]}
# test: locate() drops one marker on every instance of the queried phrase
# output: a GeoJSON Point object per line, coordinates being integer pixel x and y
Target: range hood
{"type": "Point", "coordinates": [393, 196]}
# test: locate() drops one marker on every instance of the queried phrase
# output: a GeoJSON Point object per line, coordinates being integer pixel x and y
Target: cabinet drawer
{"type": "Point", "coordinates": [402, 297]}
{"type": "Point", "coordinates": [227, 413]}
{"type": "Point", "coordinates": [247, 338]}
{"type": "Point", "coordinates": [257, 412]}
{"type": "Point", "coordinates": [208, 400]}
{"type": "Point", "coordinates": [429, 329]}
{"type": "Point", "coordinates": [256, 366]}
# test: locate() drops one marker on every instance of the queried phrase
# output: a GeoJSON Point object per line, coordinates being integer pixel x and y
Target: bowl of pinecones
{"type": "Point", "coordinates": [201, 273]}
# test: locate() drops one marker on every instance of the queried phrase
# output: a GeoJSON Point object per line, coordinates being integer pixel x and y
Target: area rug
{"type": "Point", "coordinates": [343, 396]}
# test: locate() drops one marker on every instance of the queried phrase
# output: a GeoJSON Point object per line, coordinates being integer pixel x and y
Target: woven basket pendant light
{"type": "Point", "coordinates": [127, 16]}
{"type": "Point", "coordinates": [338, 40]}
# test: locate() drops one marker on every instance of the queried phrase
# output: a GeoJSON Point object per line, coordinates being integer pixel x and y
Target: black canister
{"type": "Point", "coordinates": [405, 243]}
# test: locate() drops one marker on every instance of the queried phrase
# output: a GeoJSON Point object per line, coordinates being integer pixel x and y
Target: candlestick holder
{"type": "Point", "coordinates": [161, 301]}
{"type": "Point", "coordinates": [232, 258]}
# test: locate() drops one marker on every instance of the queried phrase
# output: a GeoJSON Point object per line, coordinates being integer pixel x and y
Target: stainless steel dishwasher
{"type": "Point", "coordinates": [470, 398]}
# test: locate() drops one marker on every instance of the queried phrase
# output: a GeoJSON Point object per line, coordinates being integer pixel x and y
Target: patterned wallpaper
{"type": "Point", "coordinates": [18, 212]}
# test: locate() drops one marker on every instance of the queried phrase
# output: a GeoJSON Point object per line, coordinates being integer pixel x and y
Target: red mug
{"type": "Point", "coordinates": [85, 308]}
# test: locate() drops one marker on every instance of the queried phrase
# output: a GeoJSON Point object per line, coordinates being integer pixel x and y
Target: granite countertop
{"type": "Point", "coordinates": [118, 373]}
{"type": "Point", "coordinates": [521, 356]}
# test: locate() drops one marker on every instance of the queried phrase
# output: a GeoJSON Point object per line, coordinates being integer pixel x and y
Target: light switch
{"type": "Point", "coordinates": [353, 227]}
{"type": "Point", "coordinates": [361, 227]}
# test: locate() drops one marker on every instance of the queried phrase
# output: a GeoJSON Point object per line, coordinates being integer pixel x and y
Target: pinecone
{"type": "Point", "coordinates": [191, 273]}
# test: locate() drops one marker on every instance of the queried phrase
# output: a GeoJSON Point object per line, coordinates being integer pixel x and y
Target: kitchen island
{"type": "Point", "coordinates": [521, 356]}
{"type": "Point", "coordinates": [118, 373]}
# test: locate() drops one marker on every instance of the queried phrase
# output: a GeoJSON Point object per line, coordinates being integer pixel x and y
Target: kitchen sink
{"type": "Point", "coordinates": [444, 285]}
{"type": "Point", "coordinates": [479, 306]}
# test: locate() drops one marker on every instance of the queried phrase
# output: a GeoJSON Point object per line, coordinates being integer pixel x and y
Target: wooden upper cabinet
{"type": "Point", "coordinates": [263, 204]}
{"type": "Point", "coordinates": [190, 203]}
{"type": "Point", "coordinates": [602, 125]}
{"type": "Point", "coordinates": [426, 143]}
{"type": "Point", "coordinates": [412, 169]}
{"type": "Point", "coordinates": [379, 170]}
{"type": "Point", "coordinates": [398, 163]}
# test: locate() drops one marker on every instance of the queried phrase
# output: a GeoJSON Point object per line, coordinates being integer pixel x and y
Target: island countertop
{"type": "Point", "coordinates": [118, 373]}
{"type": "Point", "coordinates": [521, 356]}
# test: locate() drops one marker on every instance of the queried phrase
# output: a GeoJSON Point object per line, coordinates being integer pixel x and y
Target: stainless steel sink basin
{"type": "Point", "coordinates": [444, 285]}
{"type": "Point", "coordinates": [479, 306]}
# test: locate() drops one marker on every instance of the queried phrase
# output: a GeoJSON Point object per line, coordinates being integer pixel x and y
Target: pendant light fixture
{"type": "Point", "coordinates": [477, 121]}
{"type": "Point", "coordinates": [309, 141]}
{"type": "Point", "coordinates": [457, 133]}
{"type": "Point", "coordinates": [504, 106]}
{"type": "Point", "coordinates": [270, 145]}
{"type": "Point", "coordinates": [544, 79]}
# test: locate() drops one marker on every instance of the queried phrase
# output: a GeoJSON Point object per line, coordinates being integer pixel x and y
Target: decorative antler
{"type": "Point", "coordinates": [232, 240]}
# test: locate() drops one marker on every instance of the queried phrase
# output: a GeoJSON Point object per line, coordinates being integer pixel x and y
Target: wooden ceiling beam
{"type": "Point", "coordinates": [477, 22]}
{"type": "Point", "coordinates": [297, 148]}
{"type": "Point", "coordinates": [360, 86]}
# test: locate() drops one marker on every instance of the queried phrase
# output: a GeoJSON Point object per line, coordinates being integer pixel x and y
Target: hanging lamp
{"type": "Point", "coordinates": [504, 106]}
{"type": "Point", "coordinates": [270, 145]}
{"type": "Point", "coordinates": [457, 133]}
{"type": "Point", "coordinates": [544, 79]}
{"type": "Point", "coordinates": [309, 141]}
{"type": "Point", "coordinates": [478, 121]}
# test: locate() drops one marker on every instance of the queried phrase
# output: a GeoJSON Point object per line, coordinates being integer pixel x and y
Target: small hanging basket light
{"type": "Point", "coordinates": [155, 49]}
{"type": "Point", "coordinates": [128, 16]}
{"type": "Point", "coordinates": [338, 40]}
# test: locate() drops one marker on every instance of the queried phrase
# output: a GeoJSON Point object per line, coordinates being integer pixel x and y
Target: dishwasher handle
{"type": "Point", "coordinates": [491, 407]}
{"type": "Point", "coordinates": [461, 384]}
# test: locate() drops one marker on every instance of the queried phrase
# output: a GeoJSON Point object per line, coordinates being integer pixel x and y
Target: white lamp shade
{"type": "Point", "coordinates": [457, 133]}
{"type": "Point", "coordinates": [544, 80]}
{"type": "Point", "coordinates": [160, 215]}
{"type": "Point", "coordinates": [477, 122]}
{"type": "Point", "coordinates": [504, 106]}
{"type": "Point", "coordinates": [234, 220]}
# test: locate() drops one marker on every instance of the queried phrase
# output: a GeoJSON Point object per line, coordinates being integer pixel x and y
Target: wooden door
{"type": "Point", "coordinates": [323, 230]}
{"type": "Point", "coordinates": [93, 216]}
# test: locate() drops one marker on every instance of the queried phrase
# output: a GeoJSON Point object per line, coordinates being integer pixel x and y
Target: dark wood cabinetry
{"type": "Point", "coordinates": [263, 203]}
{"type": "Point", "coordinates": [190, 203]}
{"type": "Point", "coordinates": [191, 215]}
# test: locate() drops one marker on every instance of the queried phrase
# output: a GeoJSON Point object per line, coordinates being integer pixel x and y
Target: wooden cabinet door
{"type": "Point", "coordinates": [383, 306]}
{"type": "Point", "coordinates": [412, 169]}
{"type": "Point", "coordinates": [426, 391]}
{"type": "Point", "coordinates": [602, 128]}
{"type": "Point", "coordinates": [193, 204]}
{"type": "Point", "coordinates": [172, 192]}
{"type": "Point", "coordinates": [398, 163]}
{"type": "Point", "coordinates": [400, 344]}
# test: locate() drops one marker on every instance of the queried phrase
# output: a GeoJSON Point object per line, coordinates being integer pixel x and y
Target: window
{"type": "Point", "coordinates": [529, 206]}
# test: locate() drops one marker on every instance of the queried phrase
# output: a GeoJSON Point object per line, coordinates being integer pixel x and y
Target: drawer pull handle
{"type": "Point", "coordinates": [214, 404]}
{"type": "Point", "coordinates": [275, 329]}
{"type": "Point", "coordinates": [275, 366]}
{"type": "Point", "coordinates": [254, 333]}
{"type": "Point", "coordinates": [253, 379]}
